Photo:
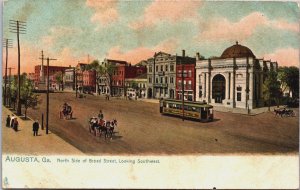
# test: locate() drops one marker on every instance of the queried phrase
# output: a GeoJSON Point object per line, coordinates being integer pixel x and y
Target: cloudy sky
{"type": "Point", "coordinates": [69, 30]}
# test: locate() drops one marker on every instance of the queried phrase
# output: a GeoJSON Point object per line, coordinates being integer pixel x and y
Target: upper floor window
{"type": "Point", "coordinates": [171, 67]}
{"type": "Point", "coordinates": [150, 69]}
{"type": "Point", "coordinates": [189, 73]}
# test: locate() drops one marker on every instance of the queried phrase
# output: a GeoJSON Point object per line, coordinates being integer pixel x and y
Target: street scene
{"type": "Point", "coordinates": [140, 83]}
{"type": "Point", "coordinates": [142, 129]}
{"type": "Point", "coordinates": [150, 94]}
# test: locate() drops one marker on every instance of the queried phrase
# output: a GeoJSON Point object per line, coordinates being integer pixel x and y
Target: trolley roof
{"type": "Point", "coordinates": [189, 103]}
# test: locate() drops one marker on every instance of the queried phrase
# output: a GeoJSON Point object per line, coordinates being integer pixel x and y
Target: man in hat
{"type": "Point", "coordinates": [35, 128]}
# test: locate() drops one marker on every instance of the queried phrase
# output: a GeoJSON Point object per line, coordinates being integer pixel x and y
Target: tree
{"type": "Point", "coordinates": [271, 89]}
{"type": "Point", "coordinates": [59, 79]}
{"type": "Point", "coordinates": [13, 92]}
{"type": "Point", "coordinates": [134, 85]}
{"type": "Point", "coordinates": [28, 98]}
{"type": "Point", "coordinates": [102, 72]}
{"type": "Point", "coordinates": [94, 65]}
{"type": "Point", "coordinates": [289, 78]}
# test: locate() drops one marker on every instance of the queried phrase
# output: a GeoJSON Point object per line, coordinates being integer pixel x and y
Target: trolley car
{"type": "Point", "coordinates": [193, 110]}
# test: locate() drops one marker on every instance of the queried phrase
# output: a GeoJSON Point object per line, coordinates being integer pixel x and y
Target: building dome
{"type": "Point", "coordinates": [237, 51]}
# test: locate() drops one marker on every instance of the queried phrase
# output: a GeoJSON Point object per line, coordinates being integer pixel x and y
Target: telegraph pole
{"type": "Point", "coordinates": [182, 83]}
{"type": "Point", "coordinates": [7, 43]}
{"type": "Point", "coordinates": [18, 27]}
{"type": "Point", "coordinates": [42, 68]}
{"type": "Point", "coordinates": [47, 103]}
{"type": "Point", "coordinates": [9, 92]}
{"type": "Point", "coordinates": [182, 89]}
{"type": "Point", "coordinates": [75, 74]}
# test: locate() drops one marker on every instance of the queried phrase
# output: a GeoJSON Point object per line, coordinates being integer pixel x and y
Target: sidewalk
{"type": "Point", "coordinates": [23, 141]}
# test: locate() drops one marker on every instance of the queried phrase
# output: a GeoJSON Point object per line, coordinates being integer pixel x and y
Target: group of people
{"type": "Point", "coordinates": [101, 125]}
{"type": "Point", "coordinates": [12, 122]}
{"type": "Point", "coordinates": [95, 121]}
{"type": "Point", "coordinates": [66, 110]}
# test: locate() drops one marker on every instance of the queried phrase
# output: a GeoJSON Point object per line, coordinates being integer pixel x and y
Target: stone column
{"type": "Point", "coordinates": [251, 89]}
{"type": "Point", "coordinates": [232, 86]}
{"type": "Point", "coordinates": [204, 86]}
{"type": "Point", "coordinates": [261, 82]}
{"type": "Point", "coordinates": [209, 88]}
{"type": "Point", "coordinates": [227, 86]}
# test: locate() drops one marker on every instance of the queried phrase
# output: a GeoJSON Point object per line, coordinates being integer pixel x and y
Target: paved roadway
{"type": "Point", "coordinates": [142, 130]}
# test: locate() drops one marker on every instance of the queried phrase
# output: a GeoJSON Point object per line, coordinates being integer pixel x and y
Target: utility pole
{"type": "Point", "coordinates": [47, 103]}
{"type": "Point", "coordinates": [42, 68]}
{"type": "Point", "coordinates": [182, 89]}
{"type": "Point", "coordinates": [9, 83]}
{"type": "Point", "coordinates": [18, 27]}
{"type": "Point", "coordinates": [182, 83]}
{"type": "Point", "coordinates": [75, 75]}
{"type": "Point", "coordinates": [7, 43]}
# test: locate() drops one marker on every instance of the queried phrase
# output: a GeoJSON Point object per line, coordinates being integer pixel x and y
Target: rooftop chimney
{"type": "Point", "coordinates": [183, 53]}
{"type": "Point", "coordinates": [198, 56]}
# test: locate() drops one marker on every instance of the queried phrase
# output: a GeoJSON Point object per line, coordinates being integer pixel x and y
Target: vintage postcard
{"type": "Point", "coordinates": [150, 94]}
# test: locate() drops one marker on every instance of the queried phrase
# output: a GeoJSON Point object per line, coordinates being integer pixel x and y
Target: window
{"type": "Point", "coordinates": [166, 91]}
{"type": "Point", "coordinates": [166, 80]}
{"type": "Point", "coordinates": [179, 74]}
{"type": "Point", "coordinates": [200, 91]}
{"type": "Point", "coordinates": [189, 86]}
{"type": "Point", "coordinates": [150, 80]}
{"type": "Point", "coordinates": [156, 68]}
{"type": "Point", "coordinates": [150, 69]}
{"type": "Point", "coordinates": [166, 67]}
{"type": "Point", "coordinates": [156, 80]}
{"type": "Point", "coordinates": [171, 67]}
{"type": "Point", "coordinates": [161, 80]}
{"type": "Point", "coordinates": [161, 68]}
{"type": "Point", "coordinates": [171, 80]}
{"type": "Point", "coordinates": [190, 73]}
{"type": "Point", "coordinates": [239, 96]}
{"type": "Point", "coordinates": [179, 83]}
{"type": "Point", "coordinates": [239, 88]}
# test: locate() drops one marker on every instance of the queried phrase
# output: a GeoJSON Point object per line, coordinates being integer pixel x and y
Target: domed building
{"type": "Point", "coordinates": [233, 80]}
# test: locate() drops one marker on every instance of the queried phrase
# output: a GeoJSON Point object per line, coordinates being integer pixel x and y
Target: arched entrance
{"type": "Point", "coordinates": [218, 88]}
{"type": "Point", "coordinates": [149, 93]}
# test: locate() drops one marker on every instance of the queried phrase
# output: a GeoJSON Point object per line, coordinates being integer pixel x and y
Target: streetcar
{"type": "Point", "coordinates": [199, 111]}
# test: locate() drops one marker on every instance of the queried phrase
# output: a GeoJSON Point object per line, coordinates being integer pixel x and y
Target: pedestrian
{"type": "Point", "coordinates": [100, 115]}
{"type": "Point", "coordinates": [35, 128]}
{"type": "Point", "coordinates": [16, 124]}
{"type": "Point", "coordinates": [8, 121]}
{"type": "Point", "coordinates": [12, 120]}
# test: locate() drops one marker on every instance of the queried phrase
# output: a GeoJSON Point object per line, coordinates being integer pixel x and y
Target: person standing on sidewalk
{"type": "Point", "coordinates": [16, 124]}
{"type": "Point", "coordinates": [12, 120]}
{"type": "Point", "coordinates": [35, 128]}
{"type": "Point", "coordinates": [8, 121]}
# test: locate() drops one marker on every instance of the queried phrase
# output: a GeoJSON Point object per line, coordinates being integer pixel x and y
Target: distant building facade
{"type": "Point", "coordinates": [233, 80]}
{"type": "Point", "coordinates": [186, 72]}
{"type": "Point", "coordinates": [52, 71]}
{"type": "Point", "coordinates": [69, 79]}
{"type": "Point", "coordinates": [138, 83]}
{"type": "Point", "coordinates": [161, 74]}
{"type": "Point", "coordinates": [85, 79]}
{"type": "Point", "coordinates": [122, 70]}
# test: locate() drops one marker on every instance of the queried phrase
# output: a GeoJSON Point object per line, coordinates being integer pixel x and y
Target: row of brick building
{"type": "Point", "coordinates": [87, 80]}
